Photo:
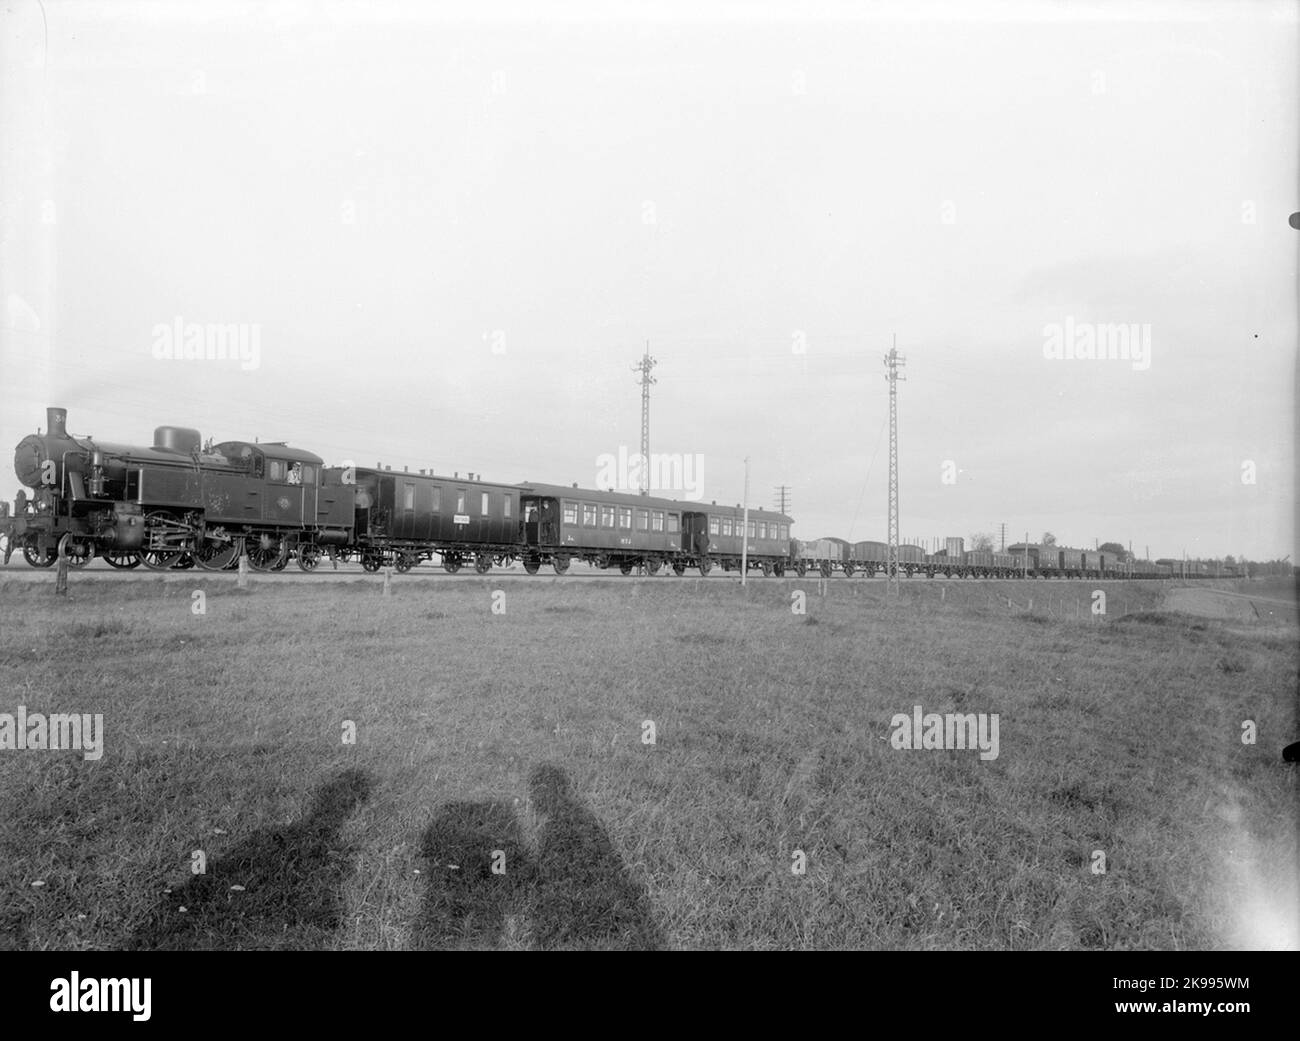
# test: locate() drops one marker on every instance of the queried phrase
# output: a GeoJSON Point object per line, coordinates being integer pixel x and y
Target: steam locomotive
{"type": "Point", "coordinates": [181, 503]}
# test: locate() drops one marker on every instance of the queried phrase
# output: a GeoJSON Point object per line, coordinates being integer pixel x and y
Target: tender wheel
{"type": "Point", "coordinates": [532, 565]}
{"type": "Point", "coordinates": [705, 567]}
{"type": "Point", "coordinates": [33, 555]}
{"type": "Point", "coordinates": [308, 558]}
{"type": "Point", "coordinates": [404, 562]}
{"type": "Point", "coordinates": [123, 561]}
{"type": "Point", "coordinates": [483, 564]}
{"type": "Point", "coordinates": [625, 567]}
{"type": "Point", "coordinates": [561, 565]}
{"type": "Point", "coordinates": [679, 569]}
{"type": "Point", "coordinates": [371, 562]}
{"type": "Point", "coordinates": [653, 566]}
{"type": "Point", "coordinates": [801, 568]}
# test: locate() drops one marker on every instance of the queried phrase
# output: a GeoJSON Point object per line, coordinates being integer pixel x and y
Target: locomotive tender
{"type": "Point", "coordinates": [178, 503]}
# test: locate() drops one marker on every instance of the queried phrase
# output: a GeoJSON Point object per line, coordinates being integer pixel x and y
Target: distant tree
{"type": "Point", "coordinates": [1117, 549]}
{"type": "Point", "coordinates": [981, 541]}
{"type": "Point", "coordinates": [1230, 559]}
{"type": "Point", "coordinates": [1048, 539]}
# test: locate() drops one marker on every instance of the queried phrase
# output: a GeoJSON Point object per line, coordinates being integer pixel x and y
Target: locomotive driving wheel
{"type": "Point", "coordinates": [212, 555]}
{"type": "Point", "coordinates": [266, 558]}
{"type": "Point", "coordinates": [123, 560]}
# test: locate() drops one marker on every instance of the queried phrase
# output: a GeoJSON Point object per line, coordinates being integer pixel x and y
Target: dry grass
{"type": "Point", "coordinates": [224, 735]}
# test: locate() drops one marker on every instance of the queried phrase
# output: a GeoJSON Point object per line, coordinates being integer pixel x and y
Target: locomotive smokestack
{"type": "Point", "coordinates": [56, 422]}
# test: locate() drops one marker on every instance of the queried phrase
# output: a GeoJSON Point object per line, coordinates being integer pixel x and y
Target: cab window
{"type": "Point", "coordinates": [308, 474]}
{"type": "Point", "coordinates": [277, 470]}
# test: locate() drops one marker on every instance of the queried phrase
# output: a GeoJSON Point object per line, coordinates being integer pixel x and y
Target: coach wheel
{"type": "Point", "coordinates": [309, 558]}
{"type": "Point", "coordinates": [560, 564]}
{"type": "Point", "coordinates": [602, 561]}
{"type": "Point", "coordinates": [849, 570]}
{"type": "Point", "coordinates": [625, 567]}
{"type": "Point", "coordinates": [451, 565]}
{"type": "Point", "coordinates": [483, 564]}
{"type": "Point", "coordinates": [122, 560]}
{"type": "Point", "coordinates": [532, 565]}
{"type": "Point", "coordinates": [767, 569]}
{"type": "Point", "coordinates": [404, 563]}
{"type": "Point", "coordinates": [779, 569]}
{"type": "Point", "coordinates": [653, 566]}
{"type": "Point", "coordinates": [679, 569]}
{"type": "Point", "coordinates": [826, 569]}
{"type": "Point", "coordinates": [801, 568]}
{"type": "Point", "coordinates": [371, 562]}
{"type": "Point", "coordinates": [705, 567]}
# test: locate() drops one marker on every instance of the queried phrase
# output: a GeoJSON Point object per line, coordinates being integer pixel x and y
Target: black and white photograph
{"type": "Point", "coordinates": [591, 476]}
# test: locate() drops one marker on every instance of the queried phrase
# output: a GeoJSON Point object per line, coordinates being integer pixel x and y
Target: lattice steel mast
{"type": "Point", "coordinates": [643, 367]}
{"type": "Point", "coordinates": [893, 362]}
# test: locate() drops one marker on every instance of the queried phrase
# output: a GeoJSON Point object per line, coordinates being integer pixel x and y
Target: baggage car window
{"type": "Point", "coordinates": [505, 507]}
{"type": "Point", "coordinates": [483, 505]}
{"type": "Point", "coordinates": [672, 522]}
{"type": "Point", "coordinates": [657, 520]}
{"type": "Point", "coordinates": [408, 495]}
{"type": "Point", "coordinates": [713, 525]}
{"type": "Point", "coordinates": [437, 499]}
{"type": "Point", "coordinates": [625, 517]}
{"type": "Point", "coordinates": [570, 513]}
{"type": "Point", "coordinates": [460, 501]}
{"type": "Point", "coordinates": [607, 516]}
{"type": "Point", "coordinates": [642, 520]}
{"type": "Point", "coordinates": [588, 515]}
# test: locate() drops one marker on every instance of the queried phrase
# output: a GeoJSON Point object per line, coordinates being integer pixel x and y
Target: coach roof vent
{"type": "Point", "coordinates": [177, 439]}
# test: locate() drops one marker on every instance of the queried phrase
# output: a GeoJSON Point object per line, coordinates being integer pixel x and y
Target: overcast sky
{"type": "Point", "coordinates": [454, 231]}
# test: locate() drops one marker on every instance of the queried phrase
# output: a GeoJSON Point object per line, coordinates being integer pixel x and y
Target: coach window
{"type": "Point", "coordinates": [656, 520]}
{"type": "Point", "coordinates": [625, 517]}
{"type": "Point", "coordinates": [460, 500]}
{"type": "Point", "coordinates": [437, 499]}
{"type": "Point", "coordinates": [713, 525]}
{"type": "Point", "coordinates": [408, 495]}
{"type": "Point", "coordinates": [277, 470]}
{"type": "Point", "coordinates": [506, 508]}
{"type": "Point", "coordinates": [673, 522]}
{"type": "Point", "coordinates": [642, 520]}
{"type": "Point", "coordinates": [570, 512]}
{"type": "Point", "coordinates": [750, 529]}
{"type": "Point", "coordinates": [483, 505]}
{"type": "Point", "coordinates": [725, 526]}
{"type": "Point", "coordinates": [762, 529]}
{"type": "Point", "coordinates": [588, 515]}
{"type": "Point", "coordinates": [607, 516]}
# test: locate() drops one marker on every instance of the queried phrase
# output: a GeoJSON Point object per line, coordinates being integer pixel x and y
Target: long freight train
{"type": "Point", "coordinates": [179, 503]}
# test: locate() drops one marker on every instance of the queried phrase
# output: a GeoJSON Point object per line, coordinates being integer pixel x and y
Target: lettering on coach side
{"type": "Point", "coordinates": [74, 994]}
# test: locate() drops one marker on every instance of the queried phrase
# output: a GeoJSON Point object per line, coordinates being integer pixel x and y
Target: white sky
{"type": "Point", "coordinates": [959, 176]}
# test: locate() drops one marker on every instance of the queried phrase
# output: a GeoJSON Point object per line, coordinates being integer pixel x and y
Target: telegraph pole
{"type": "Point", "coordinates": [1004, 536]}
{"type": "Point", "coordinates": [782, 498]}
{"type": "Point", "coordinates": [893, 362]}
{"type": "Point", "coordinates": [643, 367]}
{"type": "Point", "coordinates": [744, 532]}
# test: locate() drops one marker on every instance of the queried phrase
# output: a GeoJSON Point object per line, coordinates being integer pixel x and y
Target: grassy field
{"type": "Point", "coordinates": [517, 741]}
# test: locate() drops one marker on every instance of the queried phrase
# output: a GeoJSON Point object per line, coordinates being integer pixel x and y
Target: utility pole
{"type": "Point", "coordinates": [643, 367]}
{"type": "Point", "coordinates": [782, 498]}
{"type": "Point", "coordinates": [1004, 536]}
{"type": "Point", "coordinates": [893, 362]}
{"type": "Point", "coordinates": [744, 532]}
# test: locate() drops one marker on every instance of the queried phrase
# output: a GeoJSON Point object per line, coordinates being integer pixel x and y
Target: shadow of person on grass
{"type": "Point", "coordinates": [281, 888]}
{"type": "Point", "coordinates": [476, 870]}
{"type": "Point", "coordinates": [582, 894]}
